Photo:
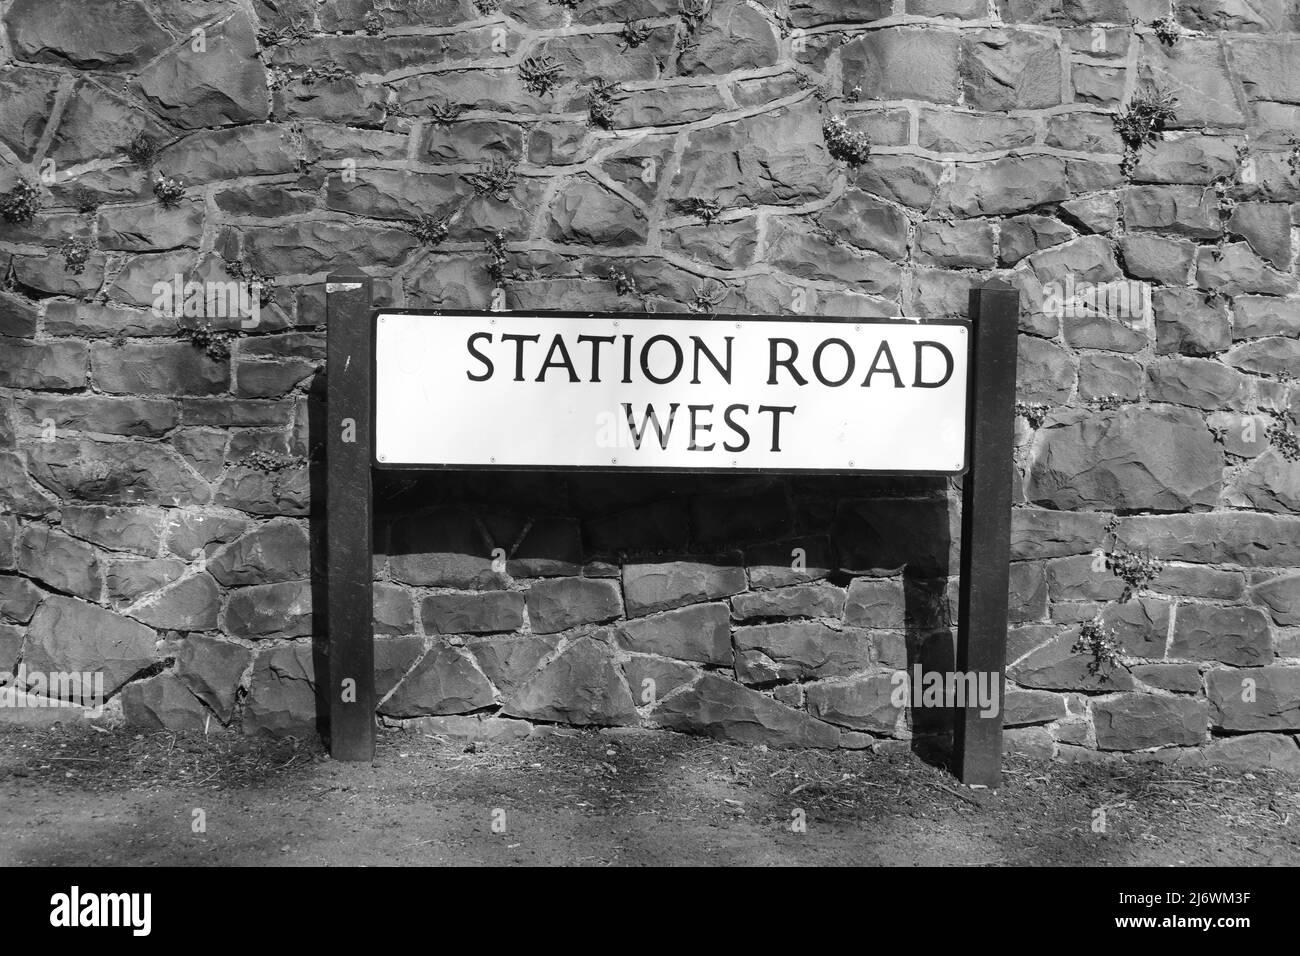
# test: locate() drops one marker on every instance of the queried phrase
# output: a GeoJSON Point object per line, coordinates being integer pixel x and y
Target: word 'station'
{"type": "Point", "coordinates": [666, 392]}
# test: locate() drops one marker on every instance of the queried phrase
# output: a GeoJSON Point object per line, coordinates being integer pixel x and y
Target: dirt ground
{"type": "Point", "coordinates": [85, 797]}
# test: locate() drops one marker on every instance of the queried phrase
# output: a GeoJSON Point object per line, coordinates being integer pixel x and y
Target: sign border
{"type": "Point", "coordinates": [672, 316]}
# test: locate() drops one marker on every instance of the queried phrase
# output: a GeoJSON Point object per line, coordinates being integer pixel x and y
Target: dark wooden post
{"type": "Point", "coordinates": [986, 525]}
{"type": "Point", "coordinates": [348, 512]}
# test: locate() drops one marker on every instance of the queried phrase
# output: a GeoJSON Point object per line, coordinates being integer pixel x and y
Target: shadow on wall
{"type": "Point", "coordinates": [771, 610]}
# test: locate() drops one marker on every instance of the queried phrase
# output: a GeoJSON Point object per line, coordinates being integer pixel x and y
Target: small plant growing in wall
{"type": "Point", "coordinates": [1280, 435]}
{"type": "Point", "coordinates": [1167, 30]}
{"type": "Point", "coordinates": [446, 112]}
{"type": "Point", "coordinates": [496, 250]}
{"type": "Point", "coordinates": [85, 200]}
{"type": "Point", "coordinates": [21, 203]}
{"type": "Point", "coordinates": [600, 104]}
{"type": "Point", "coordinates": [141, 149]}
{"type": "Point", "coordinates": [212, 343]}
{"type": "Point", "coordinates": [706, 210]}
{"type": "Point", "coordinates": [487, 7]}
{"type": "Point", "coordinates": [267, 461]}
{"type": "Point", "coordinates": [1099, 644]}
{"type": "Point", "coordinates": [1033, 412]}
{"type": "Point", "coordinates": [1136, 569]}
{"type": "Point", "coordinates": [372, 23]}
{"type": "Point", "coordinates": [633, 35]}
{"type": "Point", "coordinates": [169, 190]}
{"type": "Point", "coordinates": [1107, 403]}
{"type": "Point", "coordinates": [540, 74]}
{"type": "Point", "coordinates": [624, 284]}
{"type": "Point", "coordinates": [431, 230]}
{"type": "Point", "coordinates": [1146, 117]}
{"type": "Point", "coordinates": [76, 251]}
{"type": "Point", "coordinates": [845, 144]}
{"type": "Point", "coordinates": [495, 178]}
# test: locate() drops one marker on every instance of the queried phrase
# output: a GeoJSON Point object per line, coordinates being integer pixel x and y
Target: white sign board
{"type": "Point", "coordinates": [667, 392]}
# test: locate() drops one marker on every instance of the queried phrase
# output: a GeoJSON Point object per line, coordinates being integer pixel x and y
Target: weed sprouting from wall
{"type": "Point", "coordinates": [21, 203]}
{"type": "Point", "coordinates": [495, 178]}
{"type": "Point", "coordinates": [540, 74]}
{"type": "Point", "coordinates": [1142, 122]}
{"type": "Point", "coordinates": [845, 144]}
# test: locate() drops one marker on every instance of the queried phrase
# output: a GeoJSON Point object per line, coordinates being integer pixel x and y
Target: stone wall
{"type": "Point", "coordinates": [841, 157]}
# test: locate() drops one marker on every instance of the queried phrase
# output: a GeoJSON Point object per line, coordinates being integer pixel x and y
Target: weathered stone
{"type": "Point", "coordinates": [1010, 69]}
{"type": "Point", "coordinates": [1190, 159]}
{"type": "Point", "coordinates": [394, 656]}
{"type": "Point", "coordinates": [134, 473]}
{"type": "Point", "coordinates": [1040, 533]}
{"type": "Point", "coordinates": [189, 605]}
{"type": "Point", "coordinates": [446, 681]}
{"type": "Point", "coordinates": [172, 368]}
{"type": "Point", "coordinates": [282, 692]}
{"type": "Point", "coordinates": [1157, 257]}
{"type": "Point", "coordinates": [796, 248]}
{"type": "Point", "coordinates": [1269, 483]}
{"type": "Point", "coordinates": [1281, 595]}
{"type": "Point", "coordinates": [1139, 721]}
{"type": "Point", "coordinates": [1022, 708]}
{"type": "Point", "coordinates": [1259, 698]}
{"type": "Point", "coordinates": [71, 635]}
{"type": "Point", "coordinates": [864, 703]}
{"type": "Point", "coordinates": [280, 610]}
{"type": "Point", "coordinates": [1178, 210]}
{"type": "Point", "coordinates": [89, 34]}
{"type": "Point", "coordinates": [1257, 315]}
{"type": "Point", "coordinates": [212, 669]}
{"type": "Point", "coordinates": [580, 686]}
{"type": "Point", "coordinates": [125, 581]}
{"type": "Point", "coordinates": [162, 702]}
{"type": "Point", "coordinates": [1233, 635]}
{"type": "Point", "coordinates": [734, 36]}
{"type": "Point", "coordinates": [794, 561]}
{"type": "Point", "coordinates": [562, 603]}
{"type": "Point", "coordinates": [1022, 235]}
{"type": "Point", "coordinates": [192, 534]}
{"type": "Point", "coordinates": [947, 131]}
{"type": "Point", "coordinates": [723, 709]}
{"type": "Point", "coordinates": [1196, 68]}
{"type": "Point", "coordinates": [1163, 459]}
{"type": "Point", "coordinates": [508, 660]}
{"type": "Point", "coordinates": [807, 600]}
{"type": "Point", "coordinates": [590, 214]}
{"type": "Point", "coordinates": [551, 547]}
{"type": "Point", "coordinates": [59, 561]}
{"type": "Point", "coordinates": [1082, 578]}
{"type": "Point", "coordinates": [798, 651]}
{"type": "Point", "coordinates": [1044, 371]}
{"type": "Point", "coordinates": [1234, 268]}
{"type": "Point", "coordinates": [659, 586]}
{"type": "Point", "coordinates": [1186, 323]}
{"type": "Point", "coordinates": [908, 180]}
{"type": "Point", "coordinates": [29, 102]}
{"type": "Point", "coordinates": [472, 728]}
{"type": "Point", "coordinates": [19, 599]}
{"type": "Point", "coordinates": [772, 158]}
{"type": "Point", "coordinates": [48, 365]}
{"type": "Point", "coordinates": [482, 613]}
{"type": "Point", "coordinates": [902, 63]}
{"type": "Point", "coordinates": [1009, 185]}
{"type": "Point", "coordinates": [275, 551]}
{"type": "Point", "coordinates": [394, 612]}
{"type": "Point", "coordinates": [1251, 752]}
{"type": "Point", "coordinates": [1271, 356]}
{"type": "Point", "coordinates": [875, 603]}
{"type": "Point", "coordinates": [1195, 581]}
{"type": "Point", "coordinates": [213, 86]}
{"type": "Point", "coordinates": [1177, 678]}
{"type": "Point", "coordinates": [99, 414]}
{"type": "Point", "coordinates": [1267, 228]}
{"type": "Point", "coordinates": [700, 633]}
{"type": "Point", "coordinates": [1200, 383]}
{"type": "Point", "coordinates": [117, 529]}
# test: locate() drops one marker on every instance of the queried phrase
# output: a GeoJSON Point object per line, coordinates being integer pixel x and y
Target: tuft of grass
{"type": "Point", "coordinates": [1146, 117]}
{"type": "Point", "coordinates": [496, 179]}
{"type": "Point", "coordinates": [540, 74]}
{"type": "Point", "coordinates": [431, 230]}
{"type": "Point", "coordinates": [633, 35]}
{"type": "Point", "coordinates": [141, 149]}
{"type": "Point", "coordinates": [600, 104]}
{"type": "Point", "coordinates": [1033, 412]}
{"type": "Point", "coordinates": [445, 113]}
{"type": "Point", "coordinates": [706, 210]}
